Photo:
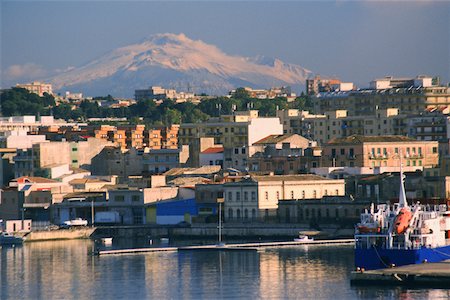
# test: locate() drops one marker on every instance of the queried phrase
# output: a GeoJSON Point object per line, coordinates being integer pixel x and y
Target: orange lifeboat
{"type": "Point", "coordinates": [402, 220]}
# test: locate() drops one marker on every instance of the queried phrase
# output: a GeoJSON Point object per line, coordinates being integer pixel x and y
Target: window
{"type": "Point", "coordinates": [236, 150]}
{"type": "Point", "coordinates": [119, 198]}
{"type": "Point", "coordinates": [135, 198]}
{"type": "Point", "coordinates": [243, 150]}
{"type": "Point", "coordinates": [342, 151]}
{"type": "Point", "coordinates": [230, 196]}
{"type": "Point", "coordinates": [435, 150]}
{"type": "Point", "coordinates": [230, 213]}
{"type": "Point", "coordinates": [238, 196]}
{"type": "Point", "coordinates": [74, 149]}
{"type": "Point", "coordinates": [245, 196]}
{"type": "Point", "coordinates": [314, 194]}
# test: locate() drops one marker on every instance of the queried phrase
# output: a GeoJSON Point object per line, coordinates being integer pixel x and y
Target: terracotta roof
{"type": "Point", "coordinates": [359, 139]}
{"type": "Point", "coordinates": [25, 179]}
{"type": "Point", "coordinates": [213, 150]}
{"type": "Point", "coordinates": [273, 139]}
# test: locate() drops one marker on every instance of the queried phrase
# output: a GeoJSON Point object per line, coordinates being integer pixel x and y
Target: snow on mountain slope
{"type": "Point", "coordinates": [175, 61]}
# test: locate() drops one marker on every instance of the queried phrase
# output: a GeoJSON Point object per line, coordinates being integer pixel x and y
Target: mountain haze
{"type": "Point", "coordinates": [175, 61]}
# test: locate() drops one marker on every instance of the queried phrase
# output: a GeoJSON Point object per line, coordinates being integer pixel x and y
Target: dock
{"type": "Point", "coordinates": [426, 274]}
{"type": "Point", "coordinates": [226, 247]}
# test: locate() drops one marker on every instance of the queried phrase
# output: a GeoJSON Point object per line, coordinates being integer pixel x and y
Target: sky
{"type": "Point", "coordinates": [356, 41]}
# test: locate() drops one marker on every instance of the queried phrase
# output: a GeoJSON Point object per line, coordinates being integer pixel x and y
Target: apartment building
{"type": "Point", "coordinates": [37, 87]}
{"type": "Point", "coordinates": [44, 155]}
{"type": "Point", "coordinates": [236, 133]}
{"type": "Point", "coordinates": [380, 151]}
{"type": "Point", "coordinates": [409, 100]}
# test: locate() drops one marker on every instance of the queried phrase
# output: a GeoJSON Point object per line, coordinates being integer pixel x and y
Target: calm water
{"type": "Point", "coordinates": [66, 270]}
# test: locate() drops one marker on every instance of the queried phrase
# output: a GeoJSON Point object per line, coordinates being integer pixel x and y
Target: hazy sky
{"type": "Point", "coordinates": [353, 40]}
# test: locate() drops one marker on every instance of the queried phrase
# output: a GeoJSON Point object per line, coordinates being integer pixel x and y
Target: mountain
{"type": "Point", "coordinates": [175, 61]}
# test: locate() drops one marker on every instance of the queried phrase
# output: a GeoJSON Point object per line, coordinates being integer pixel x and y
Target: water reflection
{"type": "Point", "coordinates": [55, 270]}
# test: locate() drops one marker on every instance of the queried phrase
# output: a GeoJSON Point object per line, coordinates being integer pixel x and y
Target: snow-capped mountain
{"type": "Point", "coordinates": [175, 61]}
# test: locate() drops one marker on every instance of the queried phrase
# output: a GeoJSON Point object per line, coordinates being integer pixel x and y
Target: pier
{"type": "Point", "coordinates": [426, 274]}
{"type": "Point", "coordinates": [226, 247]}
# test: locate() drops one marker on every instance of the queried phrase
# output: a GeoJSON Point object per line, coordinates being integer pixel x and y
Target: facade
{"type": "Point", "coordinates": [380, 151]}
{"type": "Point", "coordinates": [318, 85]}
{"type": "Point", "coordinates": [330, 210]}
{"type": "Point", "coordinates": [37, 87]}
{"type": "Point", "coordinates": [212, 156]}
{"type": "Point", "coordinates": [257, 197]}
{"type": "Point", "coordinates": [411, 100]}
{"type": "Point", "coordinates": [233, 132]}
{"type": "Point", "coordinates": [158, 161]}
{"type": "Point", "coordinates": [45, 155]}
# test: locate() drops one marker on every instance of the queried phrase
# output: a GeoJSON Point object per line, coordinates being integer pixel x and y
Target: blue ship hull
{"type": "Point", "coordinates": [380, 258]}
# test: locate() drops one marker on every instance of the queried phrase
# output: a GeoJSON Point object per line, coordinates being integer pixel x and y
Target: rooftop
{"type": "Point", "coordinates": [301, 177]}
{"type": "Point", "coordinates": [212, 150]}
{"type": "Point", "coordinates": [273, 139]}
{"type": "Point", "coordinates": [359, 139]}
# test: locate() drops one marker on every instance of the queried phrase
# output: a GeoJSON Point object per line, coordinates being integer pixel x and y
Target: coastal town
{"type": "Point", "coordinates": [313, 161]}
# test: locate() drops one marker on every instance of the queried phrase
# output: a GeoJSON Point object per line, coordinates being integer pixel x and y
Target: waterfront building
{"type": "Point", "coordinates": [256, 198]}
{"type": "Point", "coordinates": [340, 211]}
{"type": "Point", "coordinates": [37, 87]}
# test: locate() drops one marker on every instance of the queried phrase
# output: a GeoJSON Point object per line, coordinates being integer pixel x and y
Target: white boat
{"type": "Point", "coordinates": [303, 238]}
{"type": "Point", "coordinates": [107, 241]}
{"type": "Point", "coordinates": [10, 239]}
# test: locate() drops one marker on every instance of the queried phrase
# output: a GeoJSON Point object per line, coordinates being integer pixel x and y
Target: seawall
{"type": "Point", "coordinates": [62, 234]}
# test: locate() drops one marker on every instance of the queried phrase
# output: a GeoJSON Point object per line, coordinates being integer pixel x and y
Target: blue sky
{"type": "Point", "coordinates": [353, 40]}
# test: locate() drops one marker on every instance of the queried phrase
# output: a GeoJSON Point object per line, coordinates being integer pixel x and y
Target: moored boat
{"type": "Point", "coordinates": [10, 239]}
{"type": "Point", "coordinates": [402, 234]}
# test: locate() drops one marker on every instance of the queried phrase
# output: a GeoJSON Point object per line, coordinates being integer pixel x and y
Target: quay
{"type": "Point", "coordinates": [426, 274]}
{"type": "Point", "coordinates": [226, 247]}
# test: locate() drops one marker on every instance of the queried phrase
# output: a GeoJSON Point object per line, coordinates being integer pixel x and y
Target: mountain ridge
{"type": "Point", "coordinates": [176, 61]}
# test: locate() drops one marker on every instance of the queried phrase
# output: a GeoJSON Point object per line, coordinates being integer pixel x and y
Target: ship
{"type": "Point", "coordinates": [402, 234]}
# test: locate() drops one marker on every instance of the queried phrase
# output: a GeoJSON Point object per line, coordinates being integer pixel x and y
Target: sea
{"type": "Point", "coordinates": [68, 270]}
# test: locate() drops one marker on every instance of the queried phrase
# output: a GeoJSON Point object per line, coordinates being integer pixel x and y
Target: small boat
{"type": "Point", "coordinates": [107, 241]}
{"type": "Point", "coordinates": [303, 238]}
{"type": "Point", "coordinates": [10, 239]}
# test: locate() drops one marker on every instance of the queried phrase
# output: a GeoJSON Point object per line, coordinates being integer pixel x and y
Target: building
{"type": "Point", "coordinates": [256, 198]}
{"type": "Point", "coordinates": [380, 151]}
{"type": "Point", "coordinates": [319, 85]}
{"type": "Point", "coordinates": [235, 133]}
{"type": "Point", "coordinates": [158, 161]}
{"type": "Point", "coordinates": [409, 100]}
{"type": "Point", "coordinates": [45, 155]}
{"type": "Point", "coordinates": [159, 93]}
{"type": "Point", "coordinates": [341, 211]}
{"type": "Point", "coordinates": [37, 87]}
{"type": "Point", "coordinates": [212, 156]}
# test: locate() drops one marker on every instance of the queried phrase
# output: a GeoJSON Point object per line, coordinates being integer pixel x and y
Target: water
{"type": "Point", "coordinates": [66, 270]}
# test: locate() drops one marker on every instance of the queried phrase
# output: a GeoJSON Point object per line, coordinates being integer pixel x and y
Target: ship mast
{"type": "Point", "coordinates": [402, 195]}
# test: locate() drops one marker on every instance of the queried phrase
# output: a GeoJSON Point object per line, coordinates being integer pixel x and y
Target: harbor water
{"type": "Point", "coordinates": [67, 270]}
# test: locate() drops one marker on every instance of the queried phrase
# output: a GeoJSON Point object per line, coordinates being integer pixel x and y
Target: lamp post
{"type": "Point", "coordinates": [220, 201]}
{"type": "Point", "coordinates": [92, 212]}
